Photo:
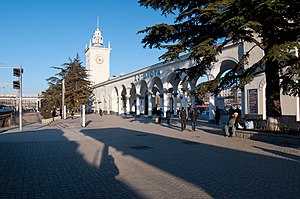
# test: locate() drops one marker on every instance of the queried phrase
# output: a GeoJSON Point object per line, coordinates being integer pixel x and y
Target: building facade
{"type": "Point", "coordinates": [30, 103]}
{"type": "Point", "coordinates": [159, 87]}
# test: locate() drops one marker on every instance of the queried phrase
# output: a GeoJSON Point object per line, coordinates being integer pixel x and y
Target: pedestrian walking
{"type": "Point", "coordinates": [158, 115]}
{"type": "Point", "coordinates": [53, 113]}
{"type": "Point", "coordinates": [100, 112]}
{"type": "Point", "coordinates": [168, 116]}
{"type": "Point", "coordinates": [72, 114]}
{"type": "Point", "coordinates": [217, 115]}
{"type": "Point", "coordinates": [194, 117]}
{"type": "Point", "coordinates": [183, 116]}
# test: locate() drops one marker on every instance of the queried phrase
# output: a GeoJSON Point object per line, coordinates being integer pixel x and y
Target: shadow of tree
{"type": "Point", "coordinates": [210, 168]}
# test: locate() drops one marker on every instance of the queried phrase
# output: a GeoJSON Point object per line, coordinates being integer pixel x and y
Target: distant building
{"type": "Point", "coordinates": [29, 102]}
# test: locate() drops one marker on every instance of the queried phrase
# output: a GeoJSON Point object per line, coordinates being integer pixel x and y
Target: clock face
{"type": "Point", "coordinates": [99, 59]}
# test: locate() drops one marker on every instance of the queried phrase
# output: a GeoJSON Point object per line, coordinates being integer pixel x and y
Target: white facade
{"type": "Point", "coordinates": [159, 86]}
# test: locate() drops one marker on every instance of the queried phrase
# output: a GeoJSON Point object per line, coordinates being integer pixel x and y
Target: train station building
{"type": "Point", "coordinates": [158, 86]}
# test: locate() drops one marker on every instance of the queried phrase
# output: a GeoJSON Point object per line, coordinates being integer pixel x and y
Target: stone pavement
{"type": "Point", "coordinates": [114, 157]}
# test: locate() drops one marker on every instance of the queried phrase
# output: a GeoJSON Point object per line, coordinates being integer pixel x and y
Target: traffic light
{"type": "Point", "coordinates": [16, 84]}
{"type": "Point", "coordinates": [16, 72]}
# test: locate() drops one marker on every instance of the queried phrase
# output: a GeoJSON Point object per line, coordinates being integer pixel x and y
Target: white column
{"type": "Point", "coordinates": [127, 104]}
{"type": "Point", "coordinates": [120, 105]}
{"type": "Point", "coordinates": [150, 104]}
{"type": "Point", "coordinates": [185, 100]}
{"type": "Point", "coordinates": [166, 103]}
{"type": "Point", "coordinates": [108, 106]}
{"type": "Point", "coordinates": [82, 115]}
{"type": "Point", "coordinates": [97, 107]}
{"type": "Point", "coordinates": [65, 112]}
{"type": "Point", "coordinates": [211, 116]}
{"type": "Point", "coordinates": [138, 110]}
{"type": "Point", "coordinates": [95, 104]}
{"type": "Point", "coordinates": [142, 105]}
{"type": "Point", "coordinates": [175, 103]}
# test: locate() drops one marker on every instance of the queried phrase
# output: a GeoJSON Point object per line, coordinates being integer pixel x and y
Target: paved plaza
{"type": "Point", "coordinates": [114, 157]}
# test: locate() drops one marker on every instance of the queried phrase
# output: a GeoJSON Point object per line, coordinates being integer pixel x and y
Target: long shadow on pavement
{"type": "Point", "coordinates": [44, 164]}
{"type": "Point", "coordinates": [221, 172]}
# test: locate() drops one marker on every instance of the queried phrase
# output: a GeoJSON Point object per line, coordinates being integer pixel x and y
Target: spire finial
{"type": "Point", "coordinates": [97, 22]}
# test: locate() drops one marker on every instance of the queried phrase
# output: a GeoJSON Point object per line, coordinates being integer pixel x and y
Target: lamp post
{"type": "Point", "coordinates": [64, 114]}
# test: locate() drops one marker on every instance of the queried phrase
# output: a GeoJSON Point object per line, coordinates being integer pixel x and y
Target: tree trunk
{"type": "Point", "coordinates": [273, 105]}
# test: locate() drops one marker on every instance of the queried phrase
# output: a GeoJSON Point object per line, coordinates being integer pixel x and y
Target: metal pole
{"type": "Point", "coordinates": [20, 103]}
{"type": "Point", "coordinates": [63, 100]}
{"type": "Point", "coordinates": [82, 115]}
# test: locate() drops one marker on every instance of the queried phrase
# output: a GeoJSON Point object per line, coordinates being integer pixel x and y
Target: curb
{"type": "Point", "coordinates": [272, 137]}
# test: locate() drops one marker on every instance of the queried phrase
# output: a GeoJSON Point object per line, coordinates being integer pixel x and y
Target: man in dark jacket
{"type": "Point", "coordinates": [194, 117]}
{"type": "Point", "coordinates": [183, 116]}
{"type": "Point", "coordinates": [53, 113]}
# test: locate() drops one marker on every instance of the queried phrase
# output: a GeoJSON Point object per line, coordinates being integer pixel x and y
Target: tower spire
{"type": "Point", "coordinates": [97, 37]}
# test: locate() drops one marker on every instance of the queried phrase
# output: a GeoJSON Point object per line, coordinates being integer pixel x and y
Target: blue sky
{"type": "Point", "coordinates": [38, 34]}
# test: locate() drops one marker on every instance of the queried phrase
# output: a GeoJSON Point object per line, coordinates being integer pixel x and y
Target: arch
{"type": "Point", "coordinates": [173, 79]}
{"type": "Point", "coordinates": [143, 97]}
{"type": "Point", "coordinates": [114, 100]}
{"type": "Point", "coordinates": [226, 65]}
{"type": "Point", "coordinates": [143, 88]}
{"type": "Point", "coordinates": [156, 88]}
{"type": "Point", "coordinates": [123, 92]}
{"type": "Point", "coordinates": [156, 82]}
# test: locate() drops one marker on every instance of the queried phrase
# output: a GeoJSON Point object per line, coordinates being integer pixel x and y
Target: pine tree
{"type": "Point", "coordinates": [77, 87]}
{"type": "Point", "coordinates": [202, 28]}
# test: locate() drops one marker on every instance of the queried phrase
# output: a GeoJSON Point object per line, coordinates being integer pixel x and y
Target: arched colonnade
{"type": "Point", "coordinates": [159, 87]}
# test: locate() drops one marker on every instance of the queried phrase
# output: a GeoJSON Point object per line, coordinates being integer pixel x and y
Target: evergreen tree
{"type": "Point", "coordinates": [77, 87]}
{"type": "Point", "coordinates": [51, 98]}
{"type": "Point", "coordinates": [202, 28]}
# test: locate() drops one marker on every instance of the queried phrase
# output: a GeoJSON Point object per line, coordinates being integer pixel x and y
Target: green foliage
{"type": "Point", "coordinates": [199, 26]}
{"type": "Point", "coordinates": [50, 98]}
{"type": "Point", "coordinates": [77, 87]}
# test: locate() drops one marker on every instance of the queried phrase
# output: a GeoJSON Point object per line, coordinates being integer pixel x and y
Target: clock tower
{"type": "Point", "coordinates": [97, 58]}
